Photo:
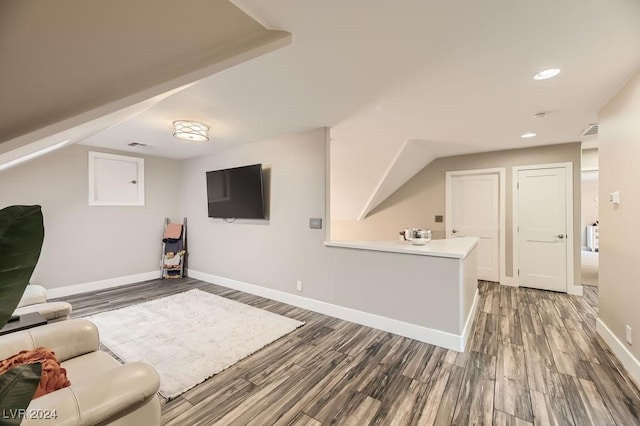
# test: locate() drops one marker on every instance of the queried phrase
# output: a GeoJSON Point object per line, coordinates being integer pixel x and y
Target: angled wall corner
{"type": "Point", "coordinates": [619, 133]}
{"type": "Point", "coordinates": [102, 60]}
{"type": "Point", "coordinates": [43, 141]}
{"type": "Point", "coordinates": [413, 156]}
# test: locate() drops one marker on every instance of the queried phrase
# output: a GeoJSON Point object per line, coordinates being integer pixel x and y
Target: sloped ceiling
{"type": "Point", "coordinates": [455, 75]}
{"type": "Point", "coordinates": [67, 62]}
{"type": "Point", "coordinates": [412, 157]}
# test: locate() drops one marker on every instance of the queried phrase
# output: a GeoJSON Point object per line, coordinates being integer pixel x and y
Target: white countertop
{"type": "Point", "coordinates": [457, 248]}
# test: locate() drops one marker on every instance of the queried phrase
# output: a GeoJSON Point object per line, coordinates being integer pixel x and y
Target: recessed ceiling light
{"type": "Point", "coordinates": [545, 74]}
{"type": "Point", "coordinates": [528, 135]}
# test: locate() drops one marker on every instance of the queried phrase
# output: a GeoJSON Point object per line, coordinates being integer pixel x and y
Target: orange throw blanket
{"type": "Point", "coordinates": [53, 376]}
{"type": "Point", "coordinates": [173, 231]}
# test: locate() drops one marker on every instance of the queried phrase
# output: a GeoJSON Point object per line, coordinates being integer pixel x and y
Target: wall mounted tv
{"type": "Point", "coordinates": [236, 193]}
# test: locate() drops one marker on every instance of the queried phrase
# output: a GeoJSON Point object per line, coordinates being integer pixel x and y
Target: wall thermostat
{"type": "Point", "coordinates": [315, 223]}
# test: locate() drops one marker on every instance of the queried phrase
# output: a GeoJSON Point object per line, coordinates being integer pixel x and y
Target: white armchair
{"type": "Point", "coordinates": [34, 299]}
{"type": "Point", "coordinates": [102, 390]}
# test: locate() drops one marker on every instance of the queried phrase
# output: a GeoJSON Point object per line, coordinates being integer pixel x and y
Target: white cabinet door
{"type": "Point", "coordinates": [475, 213]}
{"type": "Point", "coordinates": [542, 234]}
{"type": "Point", "coordinates": [115, 180]}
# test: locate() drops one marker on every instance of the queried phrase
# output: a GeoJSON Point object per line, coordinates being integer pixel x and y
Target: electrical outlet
{"type": "Point", "coordinates": [628, 335]}
{"type": "Point", "coordinates": [299, 285]}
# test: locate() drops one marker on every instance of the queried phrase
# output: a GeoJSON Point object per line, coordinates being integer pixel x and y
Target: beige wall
{"type": "Point", "coordinates": [417, 202]}
{"type": "Point", "coordinates": [277, 252]}
{"type": "Point", "coordinates": [379, 283]}
{"type": "Point", "coordinates": [273, 253]}
{"type": "Point", "coordinates": [82, 243]}
{"type": "Point", "coordinates": [619, 135]}
{"type": "Point", "coordinates": [590, 159]}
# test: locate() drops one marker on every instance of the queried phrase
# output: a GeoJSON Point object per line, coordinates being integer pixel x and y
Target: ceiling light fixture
{"type": "Point", "coordinates": [190, 131]}
{"type": "Point", "coordinates": [528, 135]}
{"type": "Point", "coordinates": [545, 74]}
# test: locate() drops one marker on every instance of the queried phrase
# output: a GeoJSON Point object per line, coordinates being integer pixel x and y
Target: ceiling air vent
{"type": "Point", "coordinates": [592, 129]}
{"type": "Point", "coordinates": [137, 144]}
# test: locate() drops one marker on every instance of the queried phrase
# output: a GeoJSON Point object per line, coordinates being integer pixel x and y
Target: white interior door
{"type": "Point", "coordinates": [474, 204]}
{"type": "Point", "coordinates": [542, 228]}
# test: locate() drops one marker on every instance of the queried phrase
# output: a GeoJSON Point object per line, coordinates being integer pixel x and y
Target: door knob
{"type": "Point", "coordinates": [453, 231]}
{"type": "Point", "coordinates": [561, 236]}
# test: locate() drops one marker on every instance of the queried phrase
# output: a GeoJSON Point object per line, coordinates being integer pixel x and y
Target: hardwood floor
{"type": "Point", "coordinates": [534, 358]}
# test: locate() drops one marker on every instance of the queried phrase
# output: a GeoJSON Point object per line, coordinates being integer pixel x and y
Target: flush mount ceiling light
{"type": "Point", "coordinates": [190, 131]}
{"type": "Point", "coordinates": [528, 135]}
{"type": "Point", "coordinates": [545, 74]}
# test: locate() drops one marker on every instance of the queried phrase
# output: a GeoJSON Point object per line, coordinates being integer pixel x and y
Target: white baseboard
{"type": "Point", "coordinates": [413, 331]}
{"type": "Point", "coordinates": [69, 290]}
{"type": "Point", "coordinates": [468, 325]}
{"type": "Point", "coordinates": [620, 350]}
{"type": "Point", "coordinates": [576, 290]}
{"type": "Point", "coordinates": [509, 281]}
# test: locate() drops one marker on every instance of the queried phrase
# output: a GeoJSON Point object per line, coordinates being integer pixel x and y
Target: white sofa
{"type": "Point", "coordinates": [34, 299]}
{"type": "Point", "coordinates": [102, 390]}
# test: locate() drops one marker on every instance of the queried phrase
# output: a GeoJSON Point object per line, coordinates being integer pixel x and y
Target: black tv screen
{"type": "Point", "coordinates": [236, 193]}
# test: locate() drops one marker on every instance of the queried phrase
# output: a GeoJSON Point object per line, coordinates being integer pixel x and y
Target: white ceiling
{"type": "Point", "coordinates": [457, 72]}
{"type": "Point", "coordinates": [454, 74]}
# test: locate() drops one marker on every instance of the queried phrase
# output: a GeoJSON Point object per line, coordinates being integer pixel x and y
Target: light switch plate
{"type": "Point", "coordinates": [315, 223]}
{"type": "Point", "coordinates": [439, 218]}
{"type": "Point", "coordinates": [614, 197]}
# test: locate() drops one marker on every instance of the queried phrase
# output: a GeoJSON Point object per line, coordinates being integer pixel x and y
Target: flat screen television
{"type": "Point", "coordinates": [236, 193]}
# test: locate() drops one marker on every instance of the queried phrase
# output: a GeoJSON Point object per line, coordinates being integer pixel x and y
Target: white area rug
{"type": "Point", "coordinates": [189, 337]}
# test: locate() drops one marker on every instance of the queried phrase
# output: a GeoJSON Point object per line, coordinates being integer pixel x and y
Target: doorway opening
{"type": "Point", "coordinates": [590, 223]}
{"type": "Point", "coordinates": [543, 227]}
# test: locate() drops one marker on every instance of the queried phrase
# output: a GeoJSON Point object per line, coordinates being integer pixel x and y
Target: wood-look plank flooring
{"type": "Point", "coordinates": [534, 358]}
